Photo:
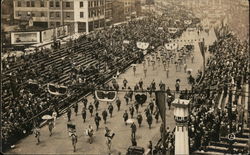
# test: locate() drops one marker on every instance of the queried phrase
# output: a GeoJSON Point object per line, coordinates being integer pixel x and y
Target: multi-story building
{"type": "Point", "coordinates": [108, 12]}
{"type": "Point", "coordinates": [84, 15]}
{"type": "Point", "coordinates": [124, 9]}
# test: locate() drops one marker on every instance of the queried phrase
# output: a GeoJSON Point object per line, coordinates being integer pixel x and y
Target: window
{"type": "Point", "coordinates": [19, 4]}
{"type": "Point", "coordinates": [28, 4]}
{"type": "Point", "coordinates": [57, 14]}
{"type": "Point", "coordinates": [51, 4]}
{"type": "Point", "coordinates": [58, 23]}
{"type": "Point", "coordinates": [42, 3]}
{"type": "Point", "coordinates": [32, 3]}
{"type": "Point", "coordinates": [51, 14]}
{"type": "Point", "coordinates": [42, 14]}
{"type": "Point", "coordinates": [57, 4]}
{"type": "Point", "coordinates": [81, 15]}
{"type": "Point", "coordinates": [67, 15]}
{"type": "Point", "coordinates": [67, 4]}
{"type": "Point", "coordinates": [18, 14]}
{"type": "Point", "coordinates": [81, 4]}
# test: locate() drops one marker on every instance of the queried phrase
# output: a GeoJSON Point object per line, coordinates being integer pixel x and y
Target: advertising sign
{"type": "Point", "coordinates": [18, 38]}
{"type": "Point", "coordinates": [47, 35]}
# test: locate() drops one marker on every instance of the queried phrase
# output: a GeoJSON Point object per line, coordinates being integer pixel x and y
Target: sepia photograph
{"type": "Point", "coordinates": [125, 77]}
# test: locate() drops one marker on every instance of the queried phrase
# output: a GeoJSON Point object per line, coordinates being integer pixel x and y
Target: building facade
{"type": "Point", "coordinates": [82, 15]}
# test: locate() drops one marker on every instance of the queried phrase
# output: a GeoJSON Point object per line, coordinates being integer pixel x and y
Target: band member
{"type": "Point", "coordinates": [139, 119]}
{"type": "Point", "coordinates": [91, 108]}
{"type": "Point", "coordinates": [97, 120]}
{"type": "Point", "coordinates": [110, 108]}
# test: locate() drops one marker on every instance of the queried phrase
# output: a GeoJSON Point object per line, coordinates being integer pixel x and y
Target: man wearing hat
{"type": "Point", "coordinates": [139, 119]}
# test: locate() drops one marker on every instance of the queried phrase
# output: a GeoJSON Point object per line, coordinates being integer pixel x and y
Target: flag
{"type": "Point", "coordinates": [202, 48]}
{"type": "Point", "coordinates": [161, 103]}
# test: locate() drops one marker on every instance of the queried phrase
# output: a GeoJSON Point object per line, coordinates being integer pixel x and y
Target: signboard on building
{"type": "Point", "coordinates": [20, 38]}
{"type": "Point", "coordinates": [47, 35]}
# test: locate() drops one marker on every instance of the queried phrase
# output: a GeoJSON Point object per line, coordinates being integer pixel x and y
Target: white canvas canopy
{"type": "Point", "coordinates": [142, 45]}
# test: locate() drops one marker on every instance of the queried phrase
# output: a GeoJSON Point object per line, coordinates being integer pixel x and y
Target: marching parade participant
{"type": "Point", "coordinates": [84, 114]}
{"type": "Point", "coordinates": [125, 117]}
{"type": "Point", "coordinates": [109, 136]}
{"type": "Point", "coordinates": [90, 133]}
{"type": "Point", "coordinates": [91, 108]}
{"type": "Point", "coordinates": [37, 134]}
{"type": "Point", "coordinates": [139, 119]}
{"type": "Point", "coordinates": [74, 141]}
{"type": "Point", "coordinates": [97, 120]}
{"type": "Point", "coordinates": [104, 115]}
{"type": "Point", "coordinates": [110, 108]}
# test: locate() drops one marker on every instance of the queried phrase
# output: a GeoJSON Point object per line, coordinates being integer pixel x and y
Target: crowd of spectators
{"type": "Point", "coordinates": [227, 69]}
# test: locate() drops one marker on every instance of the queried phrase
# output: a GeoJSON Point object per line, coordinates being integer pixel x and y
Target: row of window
{"type": "Point", "coordinates": [42, 4]}
{"type": "Point", "coordinates": [95, 13]}
{"type": "Point", "coordinates": [95, 3]}
{"type": "Point", "coordinates": [44, 14]}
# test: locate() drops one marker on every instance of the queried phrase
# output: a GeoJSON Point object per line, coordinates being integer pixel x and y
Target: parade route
{"type": "Point", "coordinates": [60, 142]}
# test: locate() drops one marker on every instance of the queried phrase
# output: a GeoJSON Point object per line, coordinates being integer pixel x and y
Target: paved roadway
{"type": "Point", "coordinates": [60, 142]}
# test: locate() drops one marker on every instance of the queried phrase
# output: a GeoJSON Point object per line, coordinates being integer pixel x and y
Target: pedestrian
{"type": "Point", "coordinates": [134, 70]}
{"type": "Point", "coordinates": [133, 130]}
{"type": "Point", "coordinates": [91, 108]}
{"type": "Point", "coordinates": [84, 114]}
{"type": "Point", "coordinates": [104, 115]}
{"type": "Point", "coordinates": [140, 83]}
{"type": "Point", "coordinates": [167, 72]}
{"type": "Point", "coordinates": [50, 126]}
{"type": "Point", "coordinates": [150, 147]}
{"type": "Point", "coordinates": [76, 108]}
{"type": "Point", "coordinates": [131, 110]}
{"type": "Point", "coordinates": [97, 121]}
{"type": "Point", "coordinates": [109, 136]}
{"type": "Point", "coordinates": [37, 134]}
{"type": "Point", "coordinates": [147, 111]}
{"type": "Point", "coordinates": [96, 103]}
{"type": "Point", "coordinates": [118, 103]}
{"type": "Point", "coordinates": [54, 115]}
{"type": "Point", "coordinates": [125, 83]}
{"type": "Point", "coordinates": [136, 106]}
{"type": "Point", "coordinates": [149, 120]}
{"type": "Point", "coordinates": [126, 97]}
{"type": "Point", "coordinates": [145, 72]}
{"type": "Point", "coordinates": [185, 67]}
{"type": "Point", "coordinates": [151, 106]}
{"type": "Point", "coordinates": [69, 114]}
{"type": "Point", "coordinates": [177, 87]}
{"type": "Point", "coordinates": [192, 58]}
{"type": "Point", "coordinates": [157, 113]}
{"type": "Point", "coordinates": [125, 117]}
{"type": "Point", "coordinates": [169, 101]}
{"type": "Point", "coordinates": [85, 101]}
{"type": "Point", "coordinates": [139, 119]}
{"type": "Point", "coordinates": [110, 108]}
{"type": "Point", "coordinates": [74, 140]}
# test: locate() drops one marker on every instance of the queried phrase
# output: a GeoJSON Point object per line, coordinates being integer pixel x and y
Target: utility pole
{"type": "Point", "coordinates": [230, 121]}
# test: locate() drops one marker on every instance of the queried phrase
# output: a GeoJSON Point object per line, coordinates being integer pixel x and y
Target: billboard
{"type": "Point", "coordinates": [61, 31]}
{"type": "Point", "coordinates": [47, 35]}
{"type": "Point", "coordinates": [20, 38]}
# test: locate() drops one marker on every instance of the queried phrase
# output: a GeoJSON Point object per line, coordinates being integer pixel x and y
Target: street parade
{"type": "Point", "coordinates": [163, 83]}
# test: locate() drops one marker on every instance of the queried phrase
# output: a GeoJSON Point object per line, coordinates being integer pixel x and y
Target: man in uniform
{"type": "Point", "coordinates": [125, 117]}
{"type": "Point", "coordinates": [139, 119]}
{"type": "Point", "coordinates": [84, 114]}
{"type": "Point", "coordinates": [110, 108]}
{"type": "Point", "coordinates": [149, 120]}
{"type": "Point", "coordinates": [97, 120]}
{"type": "Point", "coordinates": [91, 108]}
{"type": "Point", "coordinates": [133, 130]}
{"type": "Point", "coordinates": [104, 115]}
{"type": "Point", "coordinates": [118, 103]}
{"type": "Point", "coordinates": [69, 114]}
{"type": "Point", "coordinates": [131, 110]}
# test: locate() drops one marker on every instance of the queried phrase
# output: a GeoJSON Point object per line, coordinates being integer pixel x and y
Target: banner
{"type": "Point", "coordinates": [171, 46]}
{"type": "Point", "coordinates": [191, 29]}
{"type": "Point", "coordinates": [105, 96]}
{"type": "Point", "coordinates": [187, 22]}
{"type": "Point", "coordinates": [172, 30]}
{"type": "Point", "coordinates": [57, 89]}
{"type": "Point", "coordinates": [25, 38]}
{"type": "Point", "coordinates": [161, 103]}
{"type": "Point", "coordinates": [125, 42]}
{"type": "Point", "coordinates": [142, 45]}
